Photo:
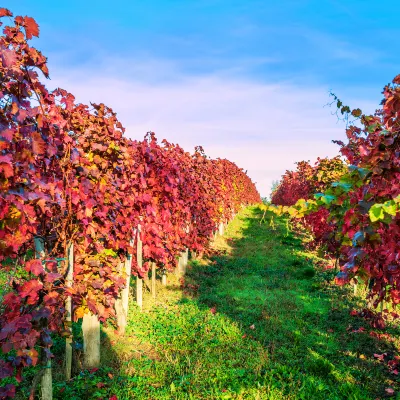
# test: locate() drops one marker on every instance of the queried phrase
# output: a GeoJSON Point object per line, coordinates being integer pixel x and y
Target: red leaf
{"type": "Point", "coordinates": [18, 375]}
{"type": "Point", "coordinates": [6, 166]}
{"type": "Point", "coordinates": [6, 347]}
{"type": "Point", "coordinates": [35, 267]}
{"type": "Point", "coordinates": [389, 391]}
{"type": "Point", "coordinates": [52, 276]}
{"type": "Point", "coordinates": [31, 27]}
{"type": "Point", "coordinates": [38, 144]}
{"type": "Point", "coordinates": [396, 79]}
{"type": "Point", "coordinates": [9, 57]}
{"type": "Point", "coordinates": [6, 369]}
{"type": "Point", "coordinates": [7, 391]}
{"type": "Point", "coordinates": [364, 150]}
{"type": "Point", "coordinates": [31, 289]}
{"type": "Point", "coordinates": [7, 134]}
{"type": "Point", "coordinates": [51, 299]}
{"type": "Point", "coordinates": [5, 13]}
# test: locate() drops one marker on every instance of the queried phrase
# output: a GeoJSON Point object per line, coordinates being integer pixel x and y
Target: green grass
{"type": "Point", "coordinates": [264, 323]}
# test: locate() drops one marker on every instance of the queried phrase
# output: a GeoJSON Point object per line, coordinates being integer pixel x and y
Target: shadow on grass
{"type": "Point", "coordinates": [270, 287]}
{"type": "Point", "coordinates": [257, 320]}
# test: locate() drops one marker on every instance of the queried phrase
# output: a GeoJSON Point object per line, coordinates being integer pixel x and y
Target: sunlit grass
{"type": "Point", "coordinates": [265, 323]}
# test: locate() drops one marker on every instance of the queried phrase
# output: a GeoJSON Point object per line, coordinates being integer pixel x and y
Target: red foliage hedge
{"type": "Point", "coordinates": [69, 175]}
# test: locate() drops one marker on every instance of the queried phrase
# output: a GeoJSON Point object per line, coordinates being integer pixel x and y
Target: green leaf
{"type": "Point", "coordinates": [328, 199]}
{"type": "Point", "coordinates": [376, 213]}
{"type": "Point", "coordinates": [109, 252]}
{"type": "Point", "coordinates": [390, 207]}
{"type": "Point", "coordinates": [345, 186]}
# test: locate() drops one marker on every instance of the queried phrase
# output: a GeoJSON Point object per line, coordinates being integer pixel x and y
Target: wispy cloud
{"type": "Point", "coordinates": [262, 127]}
{"type": "Point", "coordinates": [336, 47]}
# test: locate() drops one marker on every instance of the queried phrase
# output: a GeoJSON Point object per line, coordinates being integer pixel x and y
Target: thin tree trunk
{"type": "Point", "coordinates": [68, 306]}
{"type": "Point", "coordinates": [139, 258]}
{"type": "Point", "coordinates": [47, 379]}
{"type": "Point", "coordinates": [153, 280]}
{"type": "Point", "coordinates": [122, 303]}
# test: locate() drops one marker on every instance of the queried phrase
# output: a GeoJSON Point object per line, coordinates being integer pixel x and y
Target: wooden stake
{"type": "Point", "coordinates": [178, 267]}
{"type": "Point", "coordinates": [47, 383]}
{"type": "Point", "coordinates": [47, 379]}
{"type": "Point", "coordinates": [125, 292]}
{"type": "Point", "coordinates": [91, 341]}
{"type": "Point", "coordinates": [153, 279]}
{"type": "Point", "coordinates": [355, 288]}
{"type": "Point", "coordinates": [186, 257]}
{"type": "Point", "coordinates": [164, 279]}
{"type": "Point", "coordinates": [182, 262]}
{"type": "Point", "coordinates": [139, 292]}
{"type": "Point", "coordinates": [39, 247]}
{"type": "Point", "coordinates": [221, 228]}
{"type": "Point", "coordinates": [68, 306]}
{"type": "Point", "coordinates": [122, 303]}
{"type": "Point", "coordinates": [139, 258]}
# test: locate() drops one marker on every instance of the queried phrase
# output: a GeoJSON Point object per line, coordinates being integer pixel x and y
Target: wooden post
{"type": "Point", "coordinates": [39, 247]}
{"type": "Point", "coordinates": [221, 228]}
{"type": "Point", "coordinates": [47, 383]}
{"type": "Point", "coordinates": [91, 340]}
{"type": "Point", "coordinates": [183, 266]}
{"type": "Point", "coordinates": [139, 292]}
{"type": "Point", "coordinates": [139, 258]}
{"type": "Point", "coordinates": [68, 307]}
{"type": "Point", "coordinates": [177, 267]}
{"type": "Point", "coordinates": [355, 287]}
{"type": "Point", "coordinates": [185, 259]}
{"type": "Point", "coordinates": [125, 292]}
{"type": "Point", "coordinates": [164, 278]}
{"type": "Point", "coordinates": [153, 279]}
{"type": "Point", "coordinates": [182, 262]}
{"type": "Point", "coordinates": [47, 379]}
{"type": "Point", "coordinates": [122, 303]}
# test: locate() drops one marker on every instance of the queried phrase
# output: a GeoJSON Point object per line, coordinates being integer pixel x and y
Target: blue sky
{"type": "Point", "coordinates": [248, 80]}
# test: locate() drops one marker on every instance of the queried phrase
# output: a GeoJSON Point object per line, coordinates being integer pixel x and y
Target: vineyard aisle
{"type": "Point", "coordinates": [258, 320]}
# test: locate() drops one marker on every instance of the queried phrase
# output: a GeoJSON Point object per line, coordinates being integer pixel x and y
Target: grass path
{"type": "Point", "coordinates": [258, 320]}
